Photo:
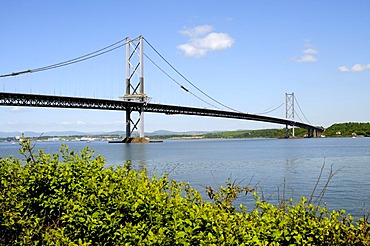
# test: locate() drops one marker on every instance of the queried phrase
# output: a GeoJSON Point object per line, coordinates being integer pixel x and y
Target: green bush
{"type": "Point", "coordinates": [348, 129]}
{"type": "Point", "coordinates": [72, 199]}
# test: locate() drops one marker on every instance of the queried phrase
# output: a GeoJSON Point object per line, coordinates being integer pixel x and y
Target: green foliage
{"type": "Point", "coordinates": [72, 199]}
{"type": "Point", "coordinates": [348, 129]}
{"type": "Point", "coordinates": [264, 133]}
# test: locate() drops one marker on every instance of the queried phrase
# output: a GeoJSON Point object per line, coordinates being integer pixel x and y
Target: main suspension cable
{"type": "Point", "coordinates": [272, 110]}
{"type": "Point", "coordinates": [296, 114]}
{"type": "Point", "coordinates": [181, 86]}
{"type": "Point", "coordinates": [96, 53]}
{"type": "Point", "coordinates": [301, 110]}
{"type": "Point", "coordinates": [205, 94]}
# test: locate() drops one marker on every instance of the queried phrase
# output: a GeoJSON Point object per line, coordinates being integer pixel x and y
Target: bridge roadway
{"type": "Point", "coordinates": [33, 100]}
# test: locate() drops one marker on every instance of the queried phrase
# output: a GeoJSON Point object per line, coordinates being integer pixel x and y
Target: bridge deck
{"type": "Point", "coordinates": [33, 100]}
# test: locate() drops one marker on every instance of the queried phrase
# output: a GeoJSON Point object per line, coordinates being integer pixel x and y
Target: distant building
{"type": "Point", "coordinates": [53, 139]}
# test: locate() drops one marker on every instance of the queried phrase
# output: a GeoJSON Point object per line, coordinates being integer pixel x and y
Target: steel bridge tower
{"type": "Point", "coordinates": [289, 111]}
{"type": "Point", "coordinates": [135, 89]}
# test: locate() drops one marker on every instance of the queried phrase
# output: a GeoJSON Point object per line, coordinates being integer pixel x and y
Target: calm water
{"type": "Point", "coordinates": [262, 162]}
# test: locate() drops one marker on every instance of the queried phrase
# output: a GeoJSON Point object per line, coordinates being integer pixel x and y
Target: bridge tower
{"type": "Point", "coordinates": [289, 111]}
{"type": "Point", "coordinates": [135, 89]}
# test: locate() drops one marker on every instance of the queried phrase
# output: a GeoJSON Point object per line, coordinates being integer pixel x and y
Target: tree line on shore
{"type": "Point", "coordinates": [349, 129]}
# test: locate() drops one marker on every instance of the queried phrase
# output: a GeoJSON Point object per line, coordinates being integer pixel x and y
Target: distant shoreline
{"type": "Point", "coordinates": [350, 129]}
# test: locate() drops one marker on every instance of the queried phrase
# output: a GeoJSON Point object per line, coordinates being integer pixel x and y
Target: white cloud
{"type": "Point", "coordinates": [305, 58]}
{"type": "Point", "coordinates": [355, 68]}
{"type": "Point", "coordinates": [197, 31]}
{"type": "Point", "coordinates": [344, 69]}
{"type": "Point", "coordinates": [110, 123]}
{"type": "Point", "coordinates": [99, 124]}
{"type": "Point", "coordinates": [203, 39]}
{"type": "Point", "coordinates": [310, 51]}
{"type": "Point", "coordinates": [16, 109]}
{"type": "Point", "coordinates": [309, 54]}
{"type": "Point", "coordinates": [73, 123]}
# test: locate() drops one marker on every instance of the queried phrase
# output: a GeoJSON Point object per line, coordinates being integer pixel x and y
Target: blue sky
{"type": "Point", "coordinates": [245, 54]}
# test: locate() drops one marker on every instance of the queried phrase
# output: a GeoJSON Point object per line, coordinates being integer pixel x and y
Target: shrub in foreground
{"type": "Point", "coordinates": [72, 199]}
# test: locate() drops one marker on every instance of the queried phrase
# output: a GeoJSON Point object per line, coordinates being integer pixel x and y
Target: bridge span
{"type": "Point", "coordinates": [135, 99]}
{"type": "Point", "coordinates": [33, 100]}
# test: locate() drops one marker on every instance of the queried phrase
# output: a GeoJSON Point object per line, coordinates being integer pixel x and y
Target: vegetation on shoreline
{"type": "Point", "coordinates": [348, 129]}
{"type": "Point", "coordinates": [70, 198]}
{"type": "Point", "coordinates": [264, 133]}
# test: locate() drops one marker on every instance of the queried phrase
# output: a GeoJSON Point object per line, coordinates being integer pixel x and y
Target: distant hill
{"type": "Point", "coordinates": [262, 133]}
{"type": "Point", "coordinates": [165, 132]}
{"type": "Point", "coordinates": [37, 134]}
{"type": "Point", "coordinates": [348, 129]}
{"type": "Point", "coordinates": [77, 133]}
{"type": "Point", "coordinates": [335, 130]}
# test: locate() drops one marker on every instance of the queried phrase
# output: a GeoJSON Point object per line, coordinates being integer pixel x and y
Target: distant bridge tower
{"type": "Point", "coordinates": [135, 88]}
{"type": "Point", "coordinates": [289, 110]}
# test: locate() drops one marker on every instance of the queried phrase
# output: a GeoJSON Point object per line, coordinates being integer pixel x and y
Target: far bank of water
{"type": "Point", "coordinates": [262, 162]}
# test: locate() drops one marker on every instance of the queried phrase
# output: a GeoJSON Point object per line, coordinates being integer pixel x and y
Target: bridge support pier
{"type": "Point", "coordinates": [309, 133]}
{"type": "Point", "coordinates": [135, 91]}
{"type": "Point", "coordinates": [286, 131]}
{"type": "Point", "coordinates": [128, 122]}
{"type": "Point", "coordinates": [313, 133]}
{"type": "Point", "coordinates": [289, 111]}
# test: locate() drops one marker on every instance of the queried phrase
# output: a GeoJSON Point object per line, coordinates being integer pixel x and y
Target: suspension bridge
{"type": "Point", "coordinates": [136, 101]}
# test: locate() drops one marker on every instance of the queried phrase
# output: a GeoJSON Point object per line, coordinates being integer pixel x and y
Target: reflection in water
{"type": "Point", "coordinates": [136, 153]}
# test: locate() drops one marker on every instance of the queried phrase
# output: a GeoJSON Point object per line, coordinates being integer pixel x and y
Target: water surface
{"type": "Point", "coordinates": [274, 165]}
